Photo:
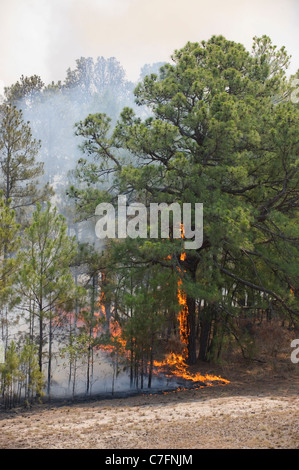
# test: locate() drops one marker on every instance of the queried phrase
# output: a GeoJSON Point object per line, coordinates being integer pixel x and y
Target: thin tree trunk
{"type": "Point", "coordinates": [204, 339]}
{"type": "Point", "coordinates": [74, 378]}
{"type": "Point", "coordinates": [50, 358]}
{"type": "Point", "coordinates": [70, 362]}
{"type": "Point", "coordinates": [192, 263]}
{"type": "Point", "coordinates": [88, 369]}
{"type": "Point", "coordinates": [191, 359]}
{"type": "Point", "coordinates": [40, 346]}
{"type": "Point", "coordinates": [141, 374]}
{"type": "Point", "coordinates": [151, 361]}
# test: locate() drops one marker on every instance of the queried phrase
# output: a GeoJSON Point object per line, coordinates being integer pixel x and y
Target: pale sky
{"type": "Point", "coordinates": [45, 37]}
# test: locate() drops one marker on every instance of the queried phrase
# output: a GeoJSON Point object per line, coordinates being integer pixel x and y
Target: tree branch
{"type": "Point", "coordinates": [256, 287]}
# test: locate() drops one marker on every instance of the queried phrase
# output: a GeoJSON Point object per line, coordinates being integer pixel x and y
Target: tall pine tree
{"type": "Point", "coordinates": [222, 133]}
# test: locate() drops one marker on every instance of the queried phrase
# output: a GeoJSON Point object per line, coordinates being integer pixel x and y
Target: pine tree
{"type": "Point", "coordinates": [10, 375]}
{"type": "Point", "coordinates": [32, 380]}
{"type": "Point", "coordinates": [26, 88]}
{"type": "Point", "coordinates": [9, 244]}
{"type": "Point", "coordinates": [45, 281]}
{"type": "Point", "coordinates": [221, 133]}
{"type": "Point", "coordinates": [19, 171]}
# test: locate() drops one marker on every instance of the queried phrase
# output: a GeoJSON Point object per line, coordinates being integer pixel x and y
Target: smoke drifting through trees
{"type": "Point", "coordinates": [216, 126]}
{"type": "Point", "coordinates": [46, 116]}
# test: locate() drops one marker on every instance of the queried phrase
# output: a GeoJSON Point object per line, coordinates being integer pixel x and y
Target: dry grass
{"type": "Point", "coordinates": [258, 409]}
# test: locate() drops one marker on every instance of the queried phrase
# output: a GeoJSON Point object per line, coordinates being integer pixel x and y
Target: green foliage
{"type": "Point", "coordinates": [9, 244]}
{"type": "Point", "coordinates": [10, 375]}
{"type": "Point", "coordinates": [31, 376]}
{"type": "Point", "coordinates": [49, 252]}
{"type": "Point", "coordinates": [20, 372]}
{"type": "Point", "coordinates": [221, 133]}
{"type": "Point", "coordinates": [44, 279]}
{"type": "Point", "coordinates": [18, 167]}
{"type": "Point", "coordinates": [25, 88]}
{"type": "Point", "coordinates": [77, 347]}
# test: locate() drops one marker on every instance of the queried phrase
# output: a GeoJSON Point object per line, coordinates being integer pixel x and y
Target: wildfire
{"type": "Point", "coordinates": [175, 364]}
{"type": "Point", "coordinates": [183, 316]}
{"type": "Point", "coordinates": [183, 313]}
{"type": "Point", "coordinates": [116, 333]}
{"type": "Point", "coordinates": [117, 344]}
{"type": "Point", "coordinates": [183, 256]}
{"type": "Point", "coordinates": [101, 304]}
{"type": "Point", "coordinates": [182, 298]}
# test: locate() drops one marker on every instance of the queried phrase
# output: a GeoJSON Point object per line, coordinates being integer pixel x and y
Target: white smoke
{"type": "Point", "coordinates": [52, 115]}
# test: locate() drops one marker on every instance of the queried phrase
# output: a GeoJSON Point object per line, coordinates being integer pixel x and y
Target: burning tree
{"type": "Point", "coordinates": [222, 132]}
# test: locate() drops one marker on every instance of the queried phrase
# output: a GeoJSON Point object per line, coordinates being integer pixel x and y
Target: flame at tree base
{"type": "Point", "coordinates": [175, 366]}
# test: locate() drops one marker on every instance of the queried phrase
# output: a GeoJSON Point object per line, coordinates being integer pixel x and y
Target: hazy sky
{"type": "Point", "coordinates": [45, 37]}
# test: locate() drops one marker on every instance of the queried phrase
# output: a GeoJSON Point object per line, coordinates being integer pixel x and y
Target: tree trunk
{"type": "Point", "coordinates": [131, 364]}
{"type": "Point", "coordinates": [74, 378]}
{"type": "Point", "coordinates": [88, 370]}
{"type": "Point", "coordinates": [142, 365]}
{"type": "Point", "coordinates": [191, 358]}
{"type": "Point", "coordinates": [191, 265]}
{"type": "Point", "coordinates": [151, 362]}
{"type": "Point", "coordinates": [40, 346]}
{"type": "Point", "coordinates": [204, 339]}
{"type": "Point", "coordinates": [50, 358]}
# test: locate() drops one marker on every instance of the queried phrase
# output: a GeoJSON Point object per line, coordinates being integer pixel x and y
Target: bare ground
{"type": "Point", "coordinates": [258, 409]}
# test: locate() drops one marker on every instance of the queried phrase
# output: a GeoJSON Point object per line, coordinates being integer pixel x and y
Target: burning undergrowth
{"type": "Point", "coordinates": [172, 372]}
{"type": "Point", "coordinates": [174, 367]}
{"type": "Point", "coordinates": [132, 367]}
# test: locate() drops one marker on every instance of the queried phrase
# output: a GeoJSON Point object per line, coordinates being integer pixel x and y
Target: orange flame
{"type": "Point", "coordinates": [118, 343]}
{"type": "Point", "coordinates": [182, 298]}
{"type": "Point", "coordinates": [183, 316]}
{"type": "Point", "coordinates": [176, 363]}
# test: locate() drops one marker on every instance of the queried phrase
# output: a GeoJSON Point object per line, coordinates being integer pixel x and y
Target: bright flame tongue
{"type": "Point", "coordinates": [183, 317]}
{"type": "Point", "coordinates": [178, 368]}
{"type": "Point", "coordinates": [183, 314]}
{"type": "Point", "coordinates": [176, 363]}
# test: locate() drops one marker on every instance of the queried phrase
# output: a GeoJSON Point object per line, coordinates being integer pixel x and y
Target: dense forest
{"type": "Point", "coordinates": [217, 125]}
